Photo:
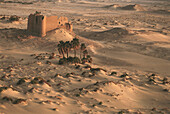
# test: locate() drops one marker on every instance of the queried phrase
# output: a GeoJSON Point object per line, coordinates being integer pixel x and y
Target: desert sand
{"type": "Point", "coordinates": [129, 41]}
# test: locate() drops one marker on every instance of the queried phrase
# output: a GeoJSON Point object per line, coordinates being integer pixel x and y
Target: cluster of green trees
{"type": "Point", "coordinates": [65, 47]}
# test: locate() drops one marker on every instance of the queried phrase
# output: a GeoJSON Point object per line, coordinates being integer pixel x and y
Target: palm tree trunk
{"type": "Point", "coordinates": [67, 54]}
{"type": "Point", "coordinates": [74, 53]}
{"type": "Point", "coordinates": [63, 53]}
{"type": "Point", "coordinates": [80, 54]}
{"type": "Point", "coordinates": [83, 55]}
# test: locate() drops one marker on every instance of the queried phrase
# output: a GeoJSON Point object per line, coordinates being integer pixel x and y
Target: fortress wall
{"type": "Point", "coordinates": [30, 26]}
{"type": "Point", "coordinates": [62, 21]}
{"type": "Point", "coordinates": [38, 24]}
{"type": "Point", "coordinates": [35, 28]}
{"type": "Point", "coordinates": [69, 27]}
{"type": "Point", "coordinates": [52, 23]}
{"type": "Point", "coordinates": [41, 25]}
{"type": "Point", "coordinates": [44, 25]}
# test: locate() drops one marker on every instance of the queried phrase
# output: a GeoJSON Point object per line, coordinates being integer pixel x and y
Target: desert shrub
{"type": "Point", "coordinates": [83, 73]}
{"type": "Point", "coordinates": [151, 80]}
{"type": "Point", "coordinates": [165, 80]}
{"type": "Point", "coordinates": [120, 112]}
{"type": "Point", "coordinates": [48, 62]}
{"type": "Point", "coordinates": [31, 90]}
{"type": "Point", "coordinates": [68, 75]}
{"type": "Point", "coordinates": [41, 82]}
{"type": "Point", "coordinates": [88, 56]}
{"type": "Point", "coordinates": [17, 101]}
{"type": "Point", "coordinates": [77, 66]}
{"type": "Point", "coordinates": [154, 109]}
{"type": "Point", "coordinates": [3, 88]}
{"type": "Point", "coordinates": [100, 103]}
{"type": "Point", "coordinates": [90, 60]}
{"type": "Point", "coordinates": [34, 81]}
{"type": "Point", "coordinates": [113, 73]}
{"type": "Point", "coordinates": [51, 57]}
{"type": "Point", "coordinates": [69, 60]}
{"type": "Point", "coordinates": [153, 75]}
{"type": "Point", "coordinates": [73, 60]}
{"type": "Point", "coordinates": [87, 66]}
{"type": "Point", "coordinates": [76, 60]}
{"type": "Point", "coordinates": [21, 81]}
{"type": "Point", "coordinates": [3, 18]}
{"type": "Point", "coordinates": [166, 90]}
{"type": "Point", "coordinates": [97, 69]}
{"type": "Point", "coordinates": [87, 59]}
{"type": "Point", "coordinates": [84, 60]}
{"type": "Point", "coordinates": [37, 80]}
{"type": "Point", "coordinates": [62, 61]}
{"type": "Point", "coordinates": [7, 98]}
{"type": "Point", "coordinates": [77, 95]}
{"type": "Point", "coordinates": [124, 75]}
{"type": "Point", "coordinates": [14, 18]}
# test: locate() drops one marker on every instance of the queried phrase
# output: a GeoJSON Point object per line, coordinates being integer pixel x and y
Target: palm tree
{"type": "Point", "coordinates": [67, 47]}
{"type": "Point", "coordinates": [61, 48]}
{"type": "Point", "coordinates": [85, 52]}
{"type": "Point", "coordinates": [89, 58]}
{"type": "Point", "coordinates": [75, 45]}
{"type": "Point", "coordinates": [82, 48]}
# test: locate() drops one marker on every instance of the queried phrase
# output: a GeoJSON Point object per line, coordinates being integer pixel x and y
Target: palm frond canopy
{"type": "Point", "coordinates": [83, 46]}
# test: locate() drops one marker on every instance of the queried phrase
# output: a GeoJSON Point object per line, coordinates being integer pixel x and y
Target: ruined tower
{"type": "Point", "coordinates": [39, 24]}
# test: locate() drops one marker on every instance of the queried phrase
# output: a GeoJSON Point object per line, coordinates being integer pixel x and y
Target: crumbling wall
{"type": "Point", "coordinates": [52, 23]}
{"type": "Point", "coordinates": [38, 24]}
{"type": "Point", "coordinates": [62, 21]}
{"type": "Point", "coordinates": [69, 27]}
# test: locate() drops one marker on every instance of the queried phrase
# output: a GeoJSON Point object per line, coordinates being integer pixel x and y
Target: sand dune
{"type": "Point", "coordinates": [59, 35]}
{"type": "Point", "coordinates": [112, 34]}
{"type": "Point", "coordinates": [115, 6]}
{"type": "Point", "coordinates": [136, 7]}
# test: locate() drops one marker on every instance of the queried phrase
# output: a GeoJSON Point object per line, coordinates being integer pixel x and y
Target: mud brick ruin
{"type": "Point", "coordinates": [39, 24]}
